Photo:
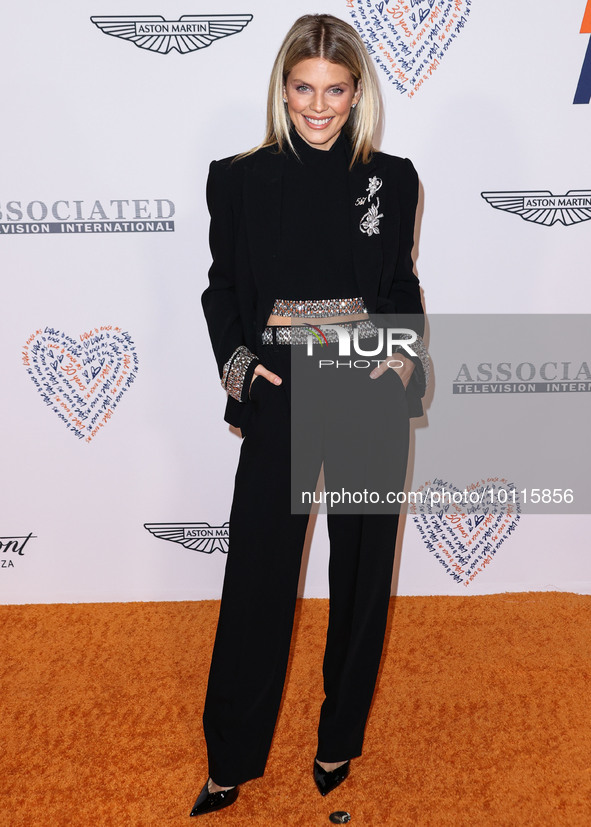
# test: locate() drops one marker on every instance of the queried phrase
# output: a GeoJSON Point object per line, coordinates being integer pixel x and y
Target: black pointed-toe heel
{"type": "Point", "coordinates": [326, 780]}
{"type": "Point", "coordinates": [210, 802]}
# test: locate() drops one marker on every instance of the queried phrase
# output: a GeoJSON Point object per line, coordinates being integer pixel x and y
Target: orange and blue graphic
{"type": "Point", "coordinates": [408, 40]}
{"type": "Point", "coordinates": [81, 379]}
{"type": "Point", "coordinates": [583, 93]}
{"type": "Point", "coordinates": [464, 539]}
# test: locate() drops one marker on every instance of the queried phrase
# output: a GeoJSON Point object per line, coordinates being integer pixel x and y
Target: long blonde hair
{"type": "Point", "coordinates": [327, 37]}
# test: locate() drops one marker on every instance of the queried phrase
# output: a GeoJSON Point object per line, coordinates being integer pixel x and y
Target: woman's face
{"type": "Point", "coordinates": [319, 98]}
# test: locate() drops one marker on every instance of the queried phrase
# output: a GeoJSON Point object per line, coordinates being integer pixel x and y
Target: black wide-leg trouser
{"type": "Point", "coordinates": [253, 637]}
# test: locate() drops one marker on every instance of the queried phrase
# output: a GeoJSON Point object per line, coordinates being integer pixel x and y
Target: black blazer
{"type": "Point", "coordinates": [244, 201]}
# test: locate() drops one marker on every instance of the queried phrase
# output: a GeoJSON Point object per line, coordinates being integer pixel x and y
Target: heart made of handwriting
{"type": "Point", "coordinates": [82, 380]}
{"type": "Point", "coordinates": [408, 39]}
{"type": "Point", "coordinates": [464, 529]}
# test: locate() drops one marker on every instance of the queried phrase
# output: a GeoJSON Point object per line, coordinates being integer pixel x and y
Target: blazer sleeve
{"type": "Point", "coordinates": [403, 292]}
{"type": "Point", "coordinates": [403, 296]}
{"type": "Point", "coordinates": [235, 362]}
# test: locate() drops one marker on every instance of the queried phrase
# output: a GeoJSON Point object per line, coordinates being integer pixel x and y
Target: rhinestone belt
{"type": "Point", "coordinates": [318, 308]}
{"type": "Point", "coordinates": [321, 334]}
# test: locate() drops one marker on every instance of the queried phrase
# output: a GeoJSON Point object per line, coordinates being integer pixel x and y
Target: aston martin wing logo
{"type": "Point", "coordinates": [195, 536]}
{"type": "Point", "coordinates": [187, 34]}
{"type": "Point", "coordinates": [542, 207]}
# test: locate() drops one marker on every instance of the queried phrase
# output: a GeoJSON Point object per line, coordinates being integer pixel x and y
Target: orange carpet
{"type": "Point", "coordinates": [482, 717]}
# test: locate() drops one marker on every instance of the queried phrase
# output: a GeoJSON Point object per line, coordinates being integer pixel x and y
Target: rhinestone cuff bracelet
{"type": "Point", "coordinates": [235, 370]}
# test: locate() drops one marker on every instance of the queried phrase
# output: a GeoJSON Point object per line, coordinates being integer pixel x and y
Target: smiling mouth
{"type": "Point", "coordinates": [317, 121]}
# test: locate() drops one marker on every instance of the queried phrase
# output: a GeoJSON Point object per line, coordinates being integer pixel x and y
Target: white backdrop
{"type": "Point", "coordinates": [89, 118]}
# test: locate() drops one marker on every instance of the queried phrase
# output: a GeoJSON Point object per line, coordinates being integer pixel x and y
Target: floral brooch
{"type": "Point", "coordinates": [370, 222]}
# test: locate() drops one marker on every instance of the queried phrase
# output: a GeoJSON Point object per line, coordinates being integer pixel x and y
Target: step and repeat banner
{"type": "Point", "coordinates": [117, 467]}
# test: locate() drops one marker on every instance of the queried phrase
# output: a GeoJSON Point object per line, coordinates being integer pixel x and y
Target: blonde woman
{"type": "Point", "coordinates": [312, 228]}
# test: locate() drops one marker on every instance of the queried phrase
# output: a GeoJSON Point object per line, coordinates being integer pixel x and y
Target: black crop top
{"type": "Point", "coordinates": [315, 259]}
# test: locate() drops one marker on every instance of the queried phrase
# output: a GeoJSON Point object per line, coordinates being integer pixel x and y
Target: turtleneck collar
{"type": "Point", "coordinates": [336, 155]}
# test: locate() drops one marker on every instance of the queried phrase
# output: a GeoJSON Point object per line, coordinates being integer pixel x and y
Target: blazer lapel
{"type": "Point", "coordinates": [262, 196]}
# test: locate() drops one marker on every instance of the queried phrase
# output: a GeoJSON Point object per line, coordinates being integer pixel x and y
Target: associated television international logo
{"type": "Point", "coordinates": [560, 376]}
{"type": "Point", "coordinates": [187, 34]}
{"type": "Point", "coordinates": [583, 93]}
{"type": "Point", "coordinates": [119, 215]}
